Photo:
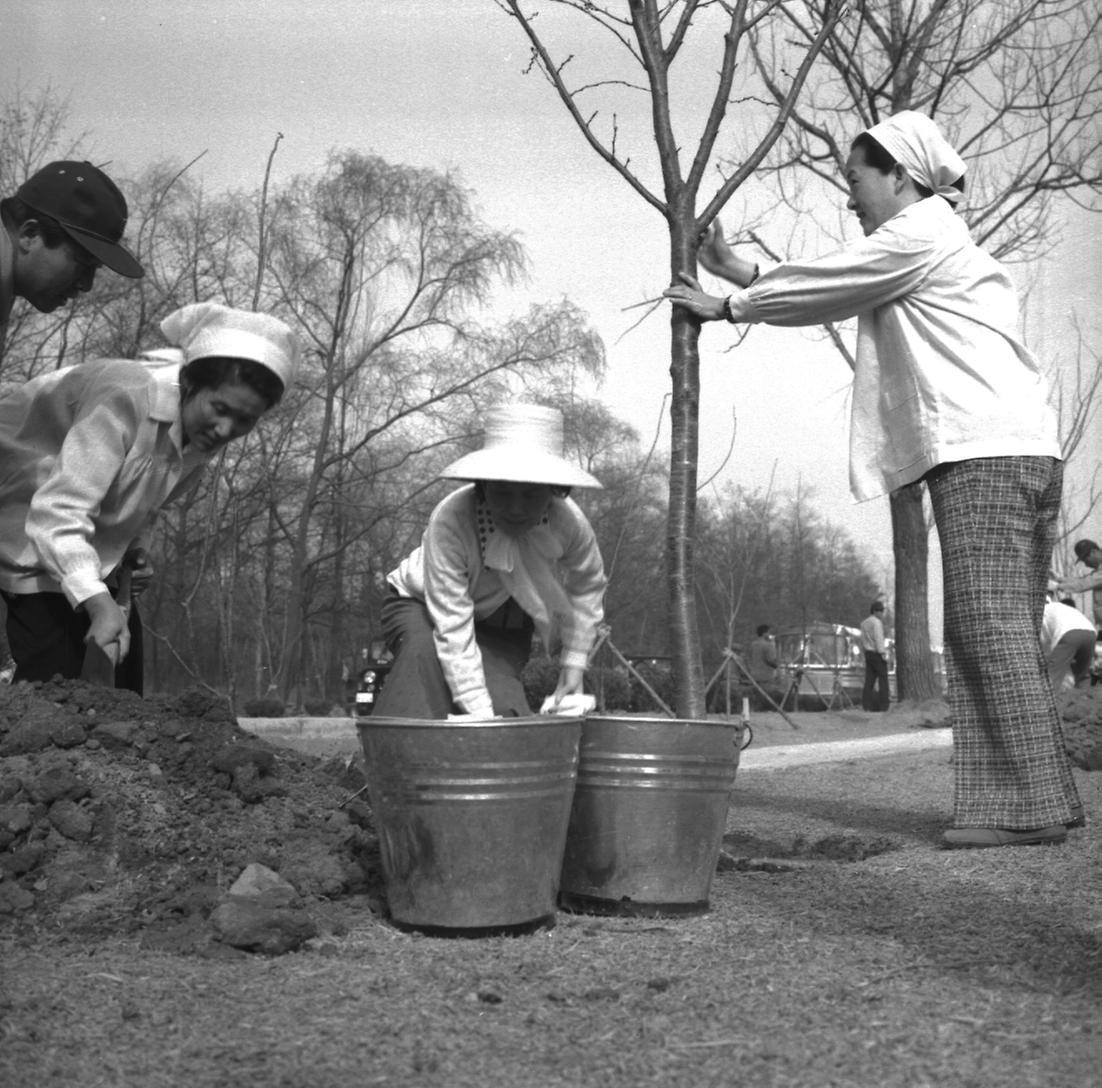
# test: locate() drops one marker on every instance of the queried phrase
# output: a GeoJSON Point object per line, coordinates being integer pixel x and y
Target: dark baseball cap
{"type": "Point", "coordinates": [1083, 548]}
{"type": "Point", "coordinates": [88, 206]}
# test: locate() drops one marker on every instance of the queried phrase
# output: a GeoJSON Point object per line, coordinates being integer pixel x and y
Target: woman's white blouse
{"type": "Point", "coordinates": [448, 574]}
{"type": "Point", "coordinates": [941, 373]}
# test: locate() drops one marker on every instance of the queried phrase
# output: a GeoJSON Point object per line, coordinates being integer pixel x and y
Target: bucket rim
{"type": "Point", "coordinates": [662, 719]}
{"type": "Point", "coordinates": [475, 723]}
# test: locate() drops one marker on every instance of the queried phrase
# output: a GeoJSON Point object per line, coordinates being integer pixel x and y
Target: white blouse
{"type": "Point", "coordinates": [90, 454]}
{"type": "Point", "coordinates": [941, 374]}
{"type": "Point", "coordinates": [448, 574]}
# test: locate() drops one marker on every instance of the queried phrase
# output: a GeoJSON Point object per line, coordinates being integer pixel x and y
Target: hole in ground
{"type": "Point", "coordinates": [745, 852]}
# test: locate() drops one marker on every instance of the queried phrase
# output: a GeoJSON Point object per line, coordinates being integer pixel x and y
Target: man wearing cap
{"type": "Point", "coordinates": [93, 452]}
{"type": "Point", "coordinates": [1090, 555]}
{"type": "Point", "coordinates": [62, 224]}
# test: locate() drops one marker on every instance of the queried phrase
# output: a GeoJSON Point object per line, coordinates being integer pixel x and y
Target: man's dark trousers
{"type": "Point", "coordinates": [876, 694]}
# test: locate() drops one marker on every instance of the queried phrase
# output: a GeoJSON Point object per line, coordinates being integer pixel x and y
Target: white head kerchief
{"type": "Point", "coordinates": [916, 143]}
{"type": "Point", "coordinates": [205, 329]}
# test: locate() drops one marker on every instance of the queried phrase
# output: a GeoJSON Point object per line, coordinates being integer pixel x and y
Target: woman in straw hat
{"type": "Point", "coordinates": [946, 392]}
{"type": "Point", "coordinates": [91, 453]}
{"type": "Point", "coordinates": [508, 554]}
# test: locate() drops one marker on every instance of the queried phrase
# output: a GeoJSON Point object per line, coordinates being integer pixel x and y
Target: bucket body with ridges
{"type": "Point", "coordinates": [471, 817]}
{"type": "Point", "coordinates": [649, 813]}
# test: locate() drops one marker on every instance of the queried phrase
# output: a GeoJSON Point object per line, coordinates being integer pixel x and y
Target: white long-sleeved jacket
{"type": "Point", "coordinates": [448, 574]}
{"type": "Point", "coordinates": [88, 455]}
{"type": "Point", "coordinates": [941, 374]}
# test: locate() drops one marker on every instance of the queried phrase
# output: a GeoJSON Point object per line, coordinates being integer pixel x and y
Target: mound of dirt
{"type": "Point", "coordinates": [1081, 712]}
{"type": "Point", "coordinates": [121, 814]}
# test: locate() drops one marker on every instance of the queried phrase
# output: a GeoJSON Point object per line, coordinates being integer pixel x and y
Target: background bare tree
{"type": "Point", "coordinates": [1079, 406]}
{"type": "Point", "coordinates": [1017, 87]}
{"type": "Point", "coordinates": [773, 558]}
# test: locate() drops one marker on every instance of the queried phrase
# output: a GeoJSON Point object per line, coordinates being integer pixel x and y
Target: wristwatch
{"type": "Point", "coordinates": [727, 313]}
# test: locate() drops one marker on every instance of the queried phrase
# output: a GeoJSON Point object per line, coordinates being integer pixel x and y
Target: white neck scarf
{"type": "Point", "coordinates": [916, 143]}
{"type": "Point", "coordinates": [526, 565]}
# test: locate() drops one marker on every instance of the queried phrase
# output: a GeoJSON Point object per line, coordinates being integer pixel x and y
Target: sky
{"type": "Point", "coordinates": [442, 84]}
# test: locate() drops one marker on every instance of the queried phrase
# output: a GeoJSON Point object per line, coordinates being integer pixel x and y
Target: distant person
{"type": "Point", "coordinates": [506, 556]}
{"type": "Point", "coordinates": [1068, 640]}
{"type": "Point", "coordinates": [91, 453]}
{"type": "Point", "coordinates": [1090, 555]}
{"type": "Point", "coordinates": [876, 694]}
{"type": "Point", "coordinates": [945, 391]}
{"type": "Point", "coordinates": [763, 664]}
{"type": "Point", "coordinates": [62, 224]}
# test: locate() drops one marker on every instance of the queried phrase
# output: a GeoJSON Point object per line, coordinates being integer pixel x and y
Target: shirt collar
{"type": "Point", "coordinates": [164, 407]}
{"type": "Point", "coordinates": [164, 400]}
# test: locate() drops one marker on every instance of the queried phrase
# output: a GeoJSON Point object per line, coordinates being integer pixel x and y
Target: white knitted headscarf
{"type": "Point", "coordinates": [916, 143]}
{"type": "Point", "coordinates": [204, 329]}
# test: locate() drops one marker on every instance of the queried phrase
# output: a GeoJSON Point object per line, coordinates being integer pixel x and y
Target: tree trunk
{"type": "Point", "coordinates": [688, 668]}
{"type": "Point", "coordinates": [915, 679]}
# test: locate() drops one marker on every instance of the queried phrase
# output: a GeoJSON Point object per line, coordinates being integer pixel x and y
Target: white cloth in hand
{"type": "Point", "coordinates": [570, 705]}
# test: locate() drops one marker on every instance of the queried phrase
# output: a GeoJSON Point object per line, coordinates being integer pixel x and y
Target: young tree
{"type": "Point", "coordinates": [649, 40]}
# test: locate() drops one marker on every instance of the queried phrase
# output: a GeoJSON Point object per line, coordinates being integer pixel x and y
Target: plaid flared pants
{"type": "Point", "coordinates": [996, 520]}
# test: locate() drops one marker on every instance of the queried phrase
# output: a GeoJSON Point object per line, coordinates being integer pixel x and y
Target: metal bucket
{"type": "Point", "coordinates": [650, 809]}
{"type": "Point", "coordinates": [471, 819]}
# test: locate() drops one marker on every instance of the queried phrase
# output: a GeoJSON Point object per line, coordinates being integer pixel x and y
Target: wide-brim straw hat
{"type": "Point", "coordinates": [522, 443]}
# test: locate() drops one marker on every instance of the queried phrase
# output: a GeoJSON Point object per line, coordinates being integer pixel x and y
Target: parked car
{"type": "Point", "coordinates": [372, 677]}
{"type": "Point", "coordinates": [823, 666]}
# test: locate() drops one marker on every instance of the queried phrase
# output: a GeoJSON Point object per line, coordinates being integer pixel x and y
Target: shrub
{"type": "Point", "coordinates": [539, 678]}
{"type": "Point", "coordinates": [611, 686]}
{"type": "Point", "coordinates": [660, 679]}
{"type": "Point", "coordinates": [267, 706]}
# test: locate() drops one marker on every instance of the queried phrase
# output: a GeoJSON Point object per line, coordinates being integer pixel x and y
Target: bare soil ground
{"type": "Point", "coordinates": [842, 946]}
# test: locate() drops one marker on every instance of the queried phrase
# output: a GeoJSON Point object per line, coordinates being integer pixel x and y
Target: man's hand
{"type": "Point", "coordinates": [109, 630]}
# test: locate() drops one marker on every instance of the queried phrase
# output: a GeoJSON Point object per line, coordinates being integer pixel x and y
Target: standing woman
{"type": "Point", "coordinates": [946, 392]}
{"type": "Point", "coordinates": [89, 455]}
{"type": "Point", "coordinates": [503, 556]}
